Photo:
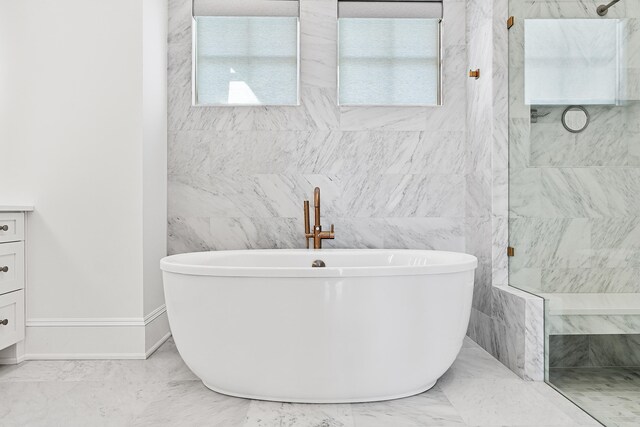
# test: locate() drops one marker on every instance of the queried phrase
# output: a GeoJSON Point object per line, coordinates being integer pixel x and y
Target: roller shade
{"type": "Point", "coordinates": [390, 9]}
{"type": "Point", "coordinates": [245, 8]}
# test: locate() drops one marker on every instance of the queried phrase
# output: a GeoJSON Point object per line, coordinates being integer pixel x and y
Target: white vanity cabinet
{"type": "Point", "coordinates": [12, 275]}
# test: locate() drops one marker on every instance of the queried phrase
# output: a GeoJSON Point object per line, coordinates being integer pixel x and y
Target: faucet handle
{"type": "Point", "coordinates": [307, 225]}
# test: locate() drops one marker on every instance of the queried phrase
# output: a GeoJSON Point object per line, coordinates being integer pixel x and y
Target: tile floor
{"type": "Point", "coordinates": [612, 395]}
{"type": "Point", "coordinates": [161, 391]}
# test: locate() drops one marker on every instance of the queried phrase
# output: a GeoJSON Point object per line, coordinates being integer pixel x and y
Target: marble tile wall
{"type": "Point", "coordinates": [238, 175]}
{"type": "Point", "coordinates": [506, 322]}
{"type": "Point", "coordinates": [573, 197]}
{"type": "Point", "coordinates": [582, 351]}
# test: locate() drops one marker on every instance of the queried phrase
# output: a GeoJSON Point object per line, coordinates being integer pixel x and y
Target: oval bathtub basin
{"type": "Point", "coordinates": [370, 325]}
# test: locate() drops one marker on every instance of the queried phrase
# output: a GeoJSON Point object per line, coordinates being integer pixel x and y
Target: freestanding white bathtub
{"type": "Point", "coordinates": [371, 325]}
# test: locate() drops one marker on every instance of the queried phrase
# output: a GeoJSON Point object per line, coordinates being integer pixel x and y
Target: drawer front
{"type": "Point", "coordinates": [11, 226]}
{"type": "Point", "coordinates": [11, 313]}
{"type": "Point", "coordinates": [11, 267]}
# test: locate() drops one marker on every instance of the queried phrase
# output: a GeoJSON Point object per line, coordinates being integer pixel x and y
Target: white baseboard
{"type": "Point", "coordinates": [157, 345]}
{"type": "Point", "coordinates": [12, 360]}
{"type": "Point", "coordinates": [96, 321]}
{"type": "Point", "coordinates": [156, 332]}
{"type": "Point", "coordinates": [12, 355]}
{"type": "Point", "coordinates": [86, 356]}
{"type": "Point", "coordinates": [96, 338]}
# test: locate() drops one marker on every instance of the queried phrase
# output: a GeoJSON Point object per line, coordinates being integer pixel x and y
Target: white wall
{"type": "Point", "coordinates": [155, 21]}
{"type": "Point", "coordinates": [74, 143]}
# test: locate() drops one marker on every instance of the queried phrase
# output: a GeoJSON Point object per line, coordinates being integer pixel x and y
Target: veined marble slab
{"type": "Point", "coordinates": [593, 324]}
{"type": "Point", "coordinates": [593, 304]}
{"type": "Point", "coordinates": [593, 314]}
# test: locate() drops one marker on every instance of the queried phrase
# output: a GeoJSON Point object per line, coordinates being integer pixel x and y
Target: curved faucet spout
{"type": "Point", "coordinates": [316, 234]}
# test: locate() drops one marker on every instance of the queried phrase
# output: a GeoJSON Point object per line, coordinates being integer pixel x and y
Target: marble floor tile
{"type": "Point", "coordinates": [72, 403]}
{"type": "Point", "coordinates": [161, 391]}
{"type": "Point", "coordinates": [501, 402]}
{"type": "Point", "coordinates": [469, 343]}
{"type": "Point", "coordinates": [611, 395]}
{"type": "Point", "coordinates": [269, 414]}
{"type": "Point", "coordinates": [165, 365]}
{"type": "Point", "coordinates": [190, 403]}
{"type": "Point", "coordinates": [476, 363]}
{"type": "Point", "coordinates": [431, 408]}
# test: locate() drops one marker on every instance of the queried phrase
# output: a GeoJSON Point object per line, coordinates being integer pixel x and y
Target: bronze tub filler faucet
{"type": "Point", "coordinates": [318, 235]}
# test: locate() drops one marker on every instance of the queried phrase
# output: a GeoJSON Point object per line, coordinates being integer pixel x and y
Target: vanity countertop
{"type": "Point", "coordinates": [16, 208]}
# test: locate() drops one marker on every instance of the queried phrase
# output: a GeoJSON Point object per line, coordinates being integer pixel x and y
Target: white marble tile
{"type": "Point", "coordinates": [257, 233]}
{"type": "Point", "coordinates": [352, 233]}
{"type": "Point", "coordinates": [482, 288]}
{"type": "Point", "coordinates": [500, 241]}
{"type": "Point", "coordinates": [190, 403]}
{"type": "Point", "coordinates": [272, 414]}
{"type": "Point", "coordinates": [427, 409]}
{"type": "Point", "coordinates": [190, 157]}
{"type": "Point", "coordinates": [534, 348]}
{"type": "Point", "coordinates": [480, 329]}
{"type": "Point", "coordinates": [72, 403]}
{"type": "Point", "coordinates": [519, 143]}
{"type": "Point", "coordinates": [384, 118]}
{"type": "Point", "coordinates": [550, 243]}
{"type": "Point", "coordinates": [578, 416]}
{"type": "Point", "coordinates": [475, 363]}
{"type": "Point", "coordinates": [497, 402]}
{"type": "Point", "coordinates": [318, 29]}
{"type": "Point", "coordinates": [568, 351]}
{"type": "Point", "coordinates": [592, 280]}
{"type": "Point", "coordinates": [454, 12]}
{"type": "Point", "coordinates": [424, 233]}
{"type": "Point", "coordinates": [479, 194]}
{"type": "Point", "coordinates": [179, 30]}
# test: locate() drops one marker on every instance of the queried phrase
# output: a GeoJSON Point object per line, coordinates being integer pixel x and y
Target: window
{"type": "Point", "coordinates": [388, 61]}
{"type": "Point", "coordinates": [246, 60]}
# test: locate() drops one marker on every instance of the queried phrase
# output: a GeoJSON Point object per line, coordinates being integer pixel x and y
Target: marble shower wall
{"type": "Point", "coordinates": [391, 177]}
{"type": "Point", "coordinates": [587, 351]}
{"type": "Point", "coordinates": [506, 322]}
{"type": "Point", "coordinates": [575, 214]}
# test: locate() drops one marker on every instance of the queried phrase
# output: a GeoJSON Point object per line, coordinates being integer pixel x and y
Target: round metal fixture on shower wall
{"type": "Point", "coordinates": [604, 8]}
{"type": "Point", "coordinates": [575, 118]}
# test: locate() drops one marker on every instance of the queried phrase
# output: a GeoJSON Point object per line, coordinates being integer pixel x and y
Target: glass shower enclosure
{"type": "Point", "coordinates": [574, 193]}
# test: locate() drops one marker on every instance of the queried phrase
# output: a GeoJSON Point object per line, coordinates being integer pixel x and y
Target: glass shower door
{"type": "Point", "coordinates": [574, 186]}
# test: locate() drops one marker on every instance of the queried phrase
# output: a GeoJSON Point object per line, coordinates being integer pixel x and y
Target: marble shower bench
{"type": "Point", "coordinates": [592, 314]}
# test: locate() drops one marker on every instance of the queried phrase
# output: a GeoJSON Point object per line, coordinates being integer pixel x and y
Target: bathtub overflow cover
{"type": "Point", "coordinates": [318, 263]}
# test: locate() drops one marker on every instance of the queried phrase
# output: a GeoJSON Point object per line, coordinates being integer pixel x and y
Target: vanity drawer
{"type": "Point", "coordinates": [11, 260]}
{"type": "Point", "coordinates": [11, 313]}
{"type": "Point", "coordinates": [11, 226]}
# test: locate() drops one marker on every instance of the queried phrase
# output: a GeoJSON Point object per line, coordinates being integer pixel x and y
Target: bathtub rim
{"type": "Point", "coordinates": [178, 264]}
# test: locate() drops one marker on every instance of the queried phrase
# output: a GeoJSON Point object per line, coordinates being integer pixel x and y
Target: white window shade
{"type": "Point", "coordinates": [246, 52]}
{"type": "Point", "coordinates": [389, 58]}
{"type": "Point", "coordinates": [288, 8]}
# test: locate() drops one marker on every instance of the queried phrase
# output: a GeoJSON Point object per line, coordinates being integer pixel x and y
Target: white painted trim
{"type": "Point", "coordinates": [157, 345]}
{"type": "Point", "coordinates": [12, 360]}
{"type": "Point", "coordinates": [89, 356]}
{"type": "Point", "coordinates": [97, 321]}
{"type": "Point", "coordinates": [86, 356]}
{"type": "Point", "coordinates": [155, 314]}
